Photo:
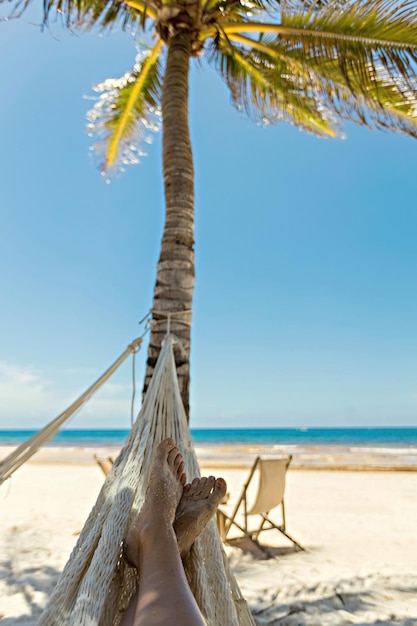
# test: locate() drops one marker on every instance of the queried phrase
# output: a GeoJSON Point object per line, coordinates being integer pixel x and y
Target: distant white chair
{"type": "Point", "coordinates": [257, 502]}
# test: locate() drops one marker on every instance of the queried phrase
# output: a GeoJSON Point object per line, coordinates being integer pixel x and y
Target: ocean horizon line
{"type": "Point", "coordinates": [399, 437]}
{"type": "Point", "coordinates": [223, 428]}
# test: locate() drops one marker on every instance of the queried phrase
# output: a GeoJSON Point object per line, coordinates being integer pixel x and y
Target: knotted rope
{"type": "Point", "coordinates": [96, 585]}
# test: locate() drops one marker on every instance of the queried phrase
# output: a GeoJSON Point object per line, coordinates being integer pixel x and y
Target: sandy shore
{"type": "Point", "coordinates": [328, 457]}
{"type": "Point", "coordinates": [358, 528]}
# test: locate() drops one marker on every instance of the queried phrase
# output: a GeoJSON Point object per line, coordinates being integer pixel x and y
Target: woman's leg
{"type": "Point", "coordinates": [164, 597]}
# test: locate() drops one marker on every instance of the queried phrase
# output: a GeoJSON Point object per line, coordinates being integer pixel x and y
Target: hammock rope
{"type": "Point", "coordinates": [27, 449]}
{"type": "Point", "coordinates": [96, 585]}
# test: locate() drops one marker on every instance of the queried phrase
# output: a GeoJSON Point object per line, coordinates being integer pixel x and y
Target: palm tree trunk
{"type": "Point", "coordinates": [175, 270]}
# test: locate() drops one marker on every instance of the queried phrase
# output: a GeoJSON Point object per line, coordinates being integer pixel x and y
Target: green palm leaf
{"type": "Point", "coordinates": [125, 112]}
{"type": "Point", "coordinates": [364, 38]}
{"type": "Point", "coordinates": [83, 14]}
{"type": "Point", "coordinates": [382, 99]}
{"type": "Point", "coordinates": [383, 104]}
{"type": "Point", "coordinates": [357, 61]}
{"type": "Point", "coordinates": [268, 93]}
{"type": "Point", "coordinates": [233, 10]}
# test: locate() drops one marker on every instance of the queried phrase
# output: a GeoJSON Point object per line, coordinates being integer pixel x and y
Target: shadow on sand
{"type": "Point", "coordinates": [333, 606]}
{"type": "Point", "coordinates": [262, 551]}
{"type": "Point", "coordinates": [33, 584]}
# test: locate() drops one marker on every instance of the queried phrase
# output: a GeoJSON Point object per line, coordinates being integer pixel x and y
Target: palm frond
{"type": "Point", "coordinates": [82, 14]}
{"type": "Point", "coordinates": [362, 37]}
{"type": "Point", "coordinates": [358, 60]}
{"type": "Point", "coordinates": [126, 111]}
{"type": "Point", "coordinates": [268, 93]}
{"type": "Point", "coordinates": [145, 8]}
{"type": "Point", "coordinates": [298, 6]}
{"type": "Point", "coordinates": [272, 7]}
{"type": "Point", "coordinates": [233, 9]}
{"type": "Point", "coordinates": [382, 100]}
{"type": "Point", "coordinates": [387, 103]}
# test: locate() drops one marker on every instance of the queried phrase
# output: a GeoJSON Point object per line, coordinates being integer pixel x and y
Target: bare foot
{"type": "Point", "coordinates": [197, 506]}
{"type": "Point", "coordinates": [166, 485]}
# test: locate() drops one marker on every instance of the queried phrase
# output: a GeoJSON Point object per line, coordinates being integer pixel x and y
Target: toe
{"type": "Point", "coordinates": [208, 487]}
{"type": "Point", "coordinates": [194, 487]}
{"type": "Point", "coordinates": [220, 488]}
{"type": "Point", "coordinates": [200, 487]}
{"type": "Point", "coordinates": [177, 461]}
{"type": "Point", "coordinates": [180, 470]}
{"type": "Point", "coordinates": [164, 448]}
{"type": "Point", "coordinates": [173, 454]}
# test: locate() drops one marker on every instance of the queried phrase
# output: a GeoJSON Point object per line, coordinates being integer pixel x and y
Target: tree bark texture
{"type": "Point", "coordinates": [175, 270]}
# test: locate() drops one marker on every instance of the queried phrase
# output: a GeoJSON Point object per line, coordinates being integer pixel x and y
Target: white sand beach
{"type": "Point", "coordinates": [358, 528]}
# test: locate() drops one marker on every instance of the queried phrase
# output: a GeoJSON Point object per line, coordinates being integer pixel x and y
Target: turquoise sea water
{"type": "Point", "coordinates": [367, 437]}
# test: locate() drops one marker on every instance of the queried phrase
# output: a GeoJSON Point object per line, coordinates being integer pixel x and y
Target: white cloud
{"type": "Point", "coordinates": [112, 401]}
{"type": "Point", "coordinates": [29, 398]}
{"type": "Point", "coordinates": [23, 391]}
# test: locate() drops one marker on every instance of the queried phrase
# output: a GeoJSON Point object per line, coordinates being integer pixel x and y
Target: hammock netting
{"type": "Point", "coordinates": [96, 584]}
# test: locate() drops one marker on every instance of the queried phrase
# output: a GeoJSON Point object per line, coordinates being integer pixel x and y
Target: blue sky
{"type": "Point", "coordinates": [306, 255]}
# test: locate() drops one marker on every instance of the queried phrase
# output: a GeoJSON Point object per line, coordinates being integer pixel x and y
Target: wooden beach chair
{"type": "Point", "coordinates": [256, 502]}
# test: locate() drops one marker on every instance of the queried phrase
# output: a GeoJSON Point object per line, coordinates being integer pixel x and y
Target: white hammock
{"type": "Point", "coordinates": [96, 585]}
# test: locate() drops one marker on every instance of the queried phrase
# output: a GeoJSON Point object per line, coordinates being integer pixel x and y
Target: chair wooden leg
{"type": "Point", "coordinates": [222, 519]}
{"type": "Point", "coordinates": [299, 546]}
{"type": "Point", "coordinates": [280, 529]}
{"type": "Point", "coordinates": [221, 524]}
{"type": "Point", "coordinates": [255, 534]}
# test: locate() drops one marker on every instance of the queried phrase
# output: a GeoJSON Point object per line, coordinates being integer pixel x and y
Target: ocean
{"type": "Point", "coordinates": [360, 437]}
{"type": "Point", "coordinates": [324, 448]}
